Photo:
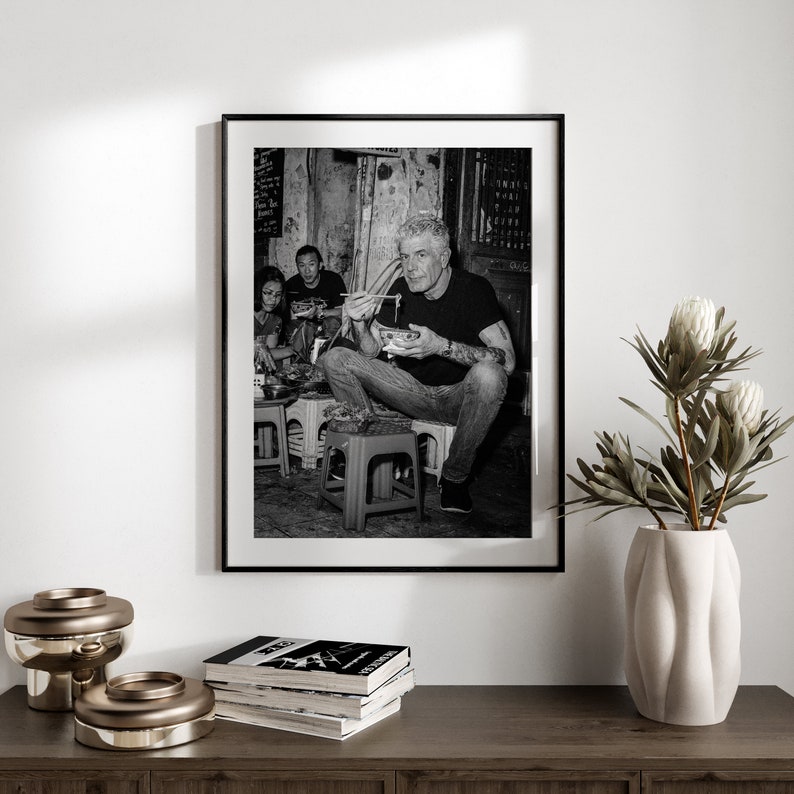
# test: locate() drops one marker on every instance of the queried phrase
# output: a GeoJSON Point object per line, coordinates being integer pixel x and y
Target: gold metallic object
{"type": "Point", "coordinates": [143, 711]}
{"type": "Point", "coordinates": [65, 638]}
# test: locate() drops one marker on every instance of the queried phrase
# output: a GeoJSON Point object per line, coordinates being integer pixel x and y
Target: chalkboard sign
{"type": "Point", "coordinates": [268, 192]}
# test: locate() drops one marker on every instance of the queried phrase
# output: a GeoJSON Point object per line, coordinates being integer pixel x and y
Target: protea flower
{"type": "Point", "coordinates": [743, 402]}
{"type": "Point", "coordinates": [702, 468]}
{"type": "Point", "coordinates": [695, 316]}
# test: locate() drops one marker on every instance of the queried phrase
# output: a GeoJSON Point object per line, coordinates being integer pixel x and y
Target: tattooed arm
{"type": "Point", "coordinates": [498, 348]}
{"type": "Point", "coordinates": [496, 338]}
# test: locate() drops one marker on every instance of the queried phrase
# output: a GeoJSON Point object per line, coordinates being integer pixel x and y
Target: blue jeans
{"type": "Point", "coordinates": [472, 404]}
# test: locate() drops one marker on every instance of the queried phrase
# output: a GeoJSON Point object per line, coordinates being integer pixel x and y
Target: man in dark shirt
{"type": "Point", "coordinates": [319, 288]}
{"type": "Point", "coordinates": [455, 371]}
{"type": "Point", "coordinates": [313, 283]}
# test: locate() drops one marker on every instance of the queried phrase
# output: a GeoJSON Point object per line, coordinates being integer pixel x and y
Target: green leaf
{"type": "Point", "coordinates": [652, 419]}
{"type": "Point", "coordinates": [696, 370]}
{"type": "Point", "coordinates": [693, 410]}
{"type": "Point", "coordinates": [742, 450]}
{"type": "Point", "coordinates": [678, 496]}
{"type": "Point", "coordinates": [652, 361]}
{"type": "Point", "coordinates": [611, 497]}
{"type": "Point", "coordinates": [742, 499]}
{"type": "Point", "coordinates": [588, 473]}
{"type": "Point", "coordinates": [608, 481]}
{"type": "Point", "coordinates": [711, 444]}
{"type": "Point", "coordinates": [631, 468]}
{"type": "Point", "coordinates": [610, 511]}
{"type": "Point", "coordinates": [674, 373]}
{"type": "Point", "coordinates": [584, 487]}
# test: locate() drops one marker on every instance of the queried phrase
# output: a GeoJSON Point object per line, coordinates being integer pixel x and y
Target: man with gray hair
{"type": "Point", "coordinates": [455, 371]}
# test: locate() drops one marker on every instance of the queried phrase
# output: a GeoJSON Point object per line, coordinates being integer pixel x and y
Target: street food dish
{"type": "Point", "coordinates": [391, 338]}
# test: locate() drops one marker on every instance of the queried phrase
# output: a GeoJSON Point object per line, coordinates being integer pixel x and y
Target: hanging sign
{"type": "Point", "coordinates": [376, 152]}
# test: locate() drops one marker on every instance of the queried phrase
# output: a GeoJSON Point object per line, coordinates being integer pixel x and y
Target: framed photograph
{"type": "Point", "coordinates": [330, 204]}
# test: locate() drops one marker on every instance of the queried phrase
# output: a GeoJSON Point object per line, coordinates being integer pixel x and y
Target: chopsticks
{"type": "Point", "coordinates": [348, 294]}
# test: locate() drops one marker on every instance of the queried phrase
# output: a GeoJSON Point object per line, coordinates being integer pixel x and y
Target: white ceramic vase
{"type": "Point", "coordinates": [683, 627]}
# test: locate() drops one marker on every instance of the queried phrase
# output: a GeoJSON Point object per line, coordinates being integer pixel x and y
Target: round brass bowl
{"type": "Point", "coordinates": [144, 711]}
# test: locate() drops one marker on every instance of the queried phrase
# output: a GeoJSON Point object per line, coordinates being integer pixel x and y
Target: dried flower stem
{"type": "Point", "coordinates": [718, 507]}
{"type": "Point", "coordinates": [657, 516]}
{"type": "Point", "coordinates": [690, 486]}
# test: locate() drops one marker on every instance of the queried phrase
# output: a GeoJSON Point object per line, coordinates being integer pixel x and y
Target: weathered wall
{"type": "Point", "coordinates": [296, 212]}
{"type": "Point", "coordinates": [394, 188]}
{"type": "Point", "coordinates": [350, 207]}
{"type": "Point", "coordinates": [335, 200]}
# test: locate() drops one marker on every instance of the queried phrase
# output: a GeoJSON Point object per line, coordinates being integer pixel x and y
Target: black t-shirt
{"type": "Point", "coordinates": [329, 289]}
{"type": "Point", "coordinates": [467, 307]}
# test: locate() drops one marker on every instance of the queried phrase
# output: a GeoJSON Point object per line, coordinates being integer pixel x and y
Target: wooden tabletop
{"type": "Point", "coordinates": [440, 727]}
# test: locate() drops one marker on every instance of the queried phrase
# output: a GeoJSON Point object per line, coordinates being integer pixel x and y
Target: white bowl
{"type": "Point", "coordinates": [392, 338]}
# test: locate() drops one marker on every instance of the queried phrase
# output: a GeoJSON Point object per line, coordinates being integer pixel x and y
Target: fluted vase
{"type": "Point", "coordinates": [683, 626]}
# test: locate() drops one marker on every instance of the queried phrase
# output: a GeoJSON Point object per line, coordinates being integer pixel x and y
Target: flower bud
{"type": "Point", "coordinates": [695, 316]}
{"type": "Point", "coordinates": [744, 401]}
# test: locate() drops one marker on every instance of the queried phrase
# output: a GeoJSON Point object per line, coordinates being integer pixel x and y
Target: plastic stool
{"type": "Point", "coordinates": [307, 442]}
{"type": "Point", "coordinates": [263, 441]}
{"type": "Point", "coordinates": [274, 415]}
{"type": "Point", "coordinates": [442, 435]}
{"type": "Point", "coordinates": [383, 440]}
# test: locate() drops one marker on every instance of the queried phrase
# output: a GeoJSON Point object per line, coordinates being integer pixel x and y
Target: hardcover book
{"type": "Point", "coordinates": [334, 704]}
{"type": "Point", "coordinates": [303, 722]}
{"type": "Point", "coordinates": [356, 668]}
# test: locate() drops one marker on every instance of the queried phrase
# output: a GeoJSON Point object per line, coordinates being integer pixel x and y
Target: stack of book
{"type": "Point", "coordinates": [318, 687]}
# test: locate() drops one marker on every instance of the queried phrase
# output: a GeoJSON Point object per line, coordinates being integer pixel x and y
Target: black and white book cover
{"type": "Point", "coordinates": [355, 667]}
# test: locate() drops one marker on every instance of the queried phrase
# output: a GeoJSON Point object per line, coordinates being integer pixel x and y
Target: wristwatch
{"type": "Point", "coordinates": [447, 351]}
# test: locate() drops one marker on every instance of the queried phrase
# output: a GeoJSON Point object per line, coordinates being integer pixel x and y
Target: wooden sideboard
{"type": "Point", "coordinates": [445, 740]}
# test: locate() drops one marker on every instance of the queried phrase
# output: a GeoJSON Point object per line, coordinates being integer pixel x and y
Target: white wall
{"type": "Point", "coordinates": [680, 180]}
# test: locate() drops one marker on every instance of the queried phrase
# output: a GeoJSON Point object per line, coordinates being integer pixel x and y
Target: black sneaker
{"type": "Point", "coordinates": [454, 496]}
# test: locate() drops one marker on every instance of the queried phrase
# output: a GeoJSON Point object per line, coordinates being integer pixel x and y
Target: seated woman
{"type": "Point", "coordinates": [269, 348]}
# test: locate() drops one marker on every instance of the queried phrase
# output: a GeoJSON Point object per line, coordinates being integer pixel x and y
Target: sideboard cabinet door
{"type": "Point", "coordinates": [74, 782]}
{"type": "Point", "coordinates": [518, 782]}
{"type": "Point", "coordinates": [717, 782]}
{"type": "Point", "coordinates": [314, 782]}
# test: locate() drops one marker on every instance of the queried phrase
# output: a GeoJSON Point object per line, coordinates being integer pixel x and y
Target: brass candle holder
{"type": "Point", "coordinates": [65, 638]}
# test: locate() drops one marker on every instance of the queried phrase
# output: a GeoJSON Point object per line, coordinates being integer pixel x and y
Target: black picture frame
{"type": "Point", "coordinates": [543, 549]}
